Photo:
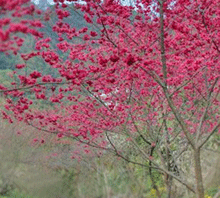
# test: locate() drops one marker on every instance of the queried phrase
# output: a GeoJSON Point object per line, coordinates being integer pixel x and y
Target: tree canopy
{"type": "Point", "coordinates": [151, 69]}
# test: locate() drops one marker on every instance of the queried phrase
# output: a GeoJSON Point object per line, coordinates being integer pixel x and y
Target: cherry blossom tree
{"type": "Point", "coordinates": [150, 70]}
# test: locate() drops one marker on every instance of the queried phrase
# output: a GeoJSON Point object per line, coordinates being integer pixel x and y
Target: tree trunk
{"type": "Point", "coordinates": [198, 174]}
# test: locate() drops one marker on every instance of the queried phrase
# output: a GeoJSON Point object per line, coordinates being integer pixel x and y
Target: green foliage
{"type": "Point", "coordinates": [16, 194]}
{"type": "Point", "coordinates": [212, 191]}
{"type": "Point", "coordinates": [4, 78]}
{"type": "Point", "coordinates": [6, 61]}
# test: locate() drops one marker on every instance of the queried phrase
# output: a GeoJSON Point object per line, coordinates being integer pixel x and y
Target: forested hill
{"type": "Point", "coordinates": [75, 19]}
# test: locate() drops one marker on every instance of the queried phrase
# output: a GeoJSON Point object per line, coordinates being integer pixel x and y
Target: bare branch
{"type": "Point", "coordinates": [202, 119]}
{"type": "Point", "coordinates": [210, 134]}
{"type": "Point", "coordinates": [35, 85]}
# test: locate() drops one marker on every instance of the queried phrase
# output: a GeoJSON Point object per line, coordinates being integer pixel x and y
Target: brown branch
{"type": "Point", "coordinates": [210, 134]}
{"type": "Point", "coordinates": [35, 85]}
{"type": "Point", "coordinates": [207, 30]}
{"type": "Point", "coordinates": [164, 67]}
{"type": "Point", "coordinates": [120, 27]}
{"type": "Point", "coordinates": [162, 45]}
{"type": "Point", "coordinates": [162, 170]}
{"type": "Point", "coordinates": [98, 99]}
{"type": "Point", "coordinates": [202, 119]}
{"type": "Point", "coordinates": [180, 87]}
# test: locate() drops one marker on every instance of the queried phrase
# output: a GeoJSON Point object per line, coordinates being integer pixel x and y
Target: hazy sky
{"type": "Point", "coordinates": [37, 1]}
